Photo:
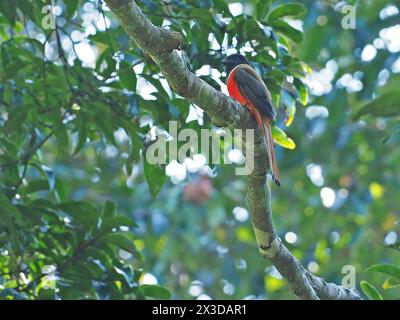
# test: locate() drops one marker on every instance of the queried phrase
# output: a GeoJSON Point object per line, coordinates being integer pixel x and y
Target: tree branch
{"type": "Point", "coordinates": [163, 45]}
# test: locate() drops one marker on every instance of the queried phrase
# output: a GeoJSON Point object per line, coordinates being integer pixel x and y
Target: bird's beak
{"type": "Point", "coordinates": [225, 62]}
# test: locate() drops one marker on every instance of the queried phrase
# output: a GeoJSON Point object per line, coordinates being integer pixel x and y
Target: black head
{"type": "Point", "coordinates": [232, 61]}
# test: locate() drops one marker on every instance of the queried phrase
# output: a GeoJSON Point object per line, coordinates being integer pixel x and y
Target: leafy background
{"type": "Point", "coordinates": [83, 215]}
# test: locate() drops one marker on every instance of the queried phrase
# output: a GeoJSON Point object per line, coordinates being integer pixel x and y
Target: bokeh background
{"type": "Point", "coordinates": [100, 101]}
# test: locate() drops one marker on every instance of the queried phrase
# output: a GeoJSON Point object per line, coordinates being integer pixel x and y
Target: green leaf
{"type": "Point", "coordinates": [72, 5]}
{"type": "Point", "coordinates": [100, 255]}
{"type": "Point", "coordinates": [109, 209]}
{"type": "Point", "coordinates": [282, 139]}
{"type": "Point", "coordinates": [388, 269]}
{"type": "Point", "coordinates": [83, 213]}
{"type": "Point", "coordinates": [302, 91]}
{"type": "Point", "coordinates": [370, 291]}
{"type": "Point", "coordinates": [62, 137]}
{"type": "Point", "coordinates": [289, 9]}
{"type": "Point", "coordinates": [110, 223]}
{"type": "Point", "coordinates": [134, 154]}
{"type": "Point", "coordinates": [155, 177]}
{"type": "Point", "coordinates": [290, 106]}
{"type": "Point", "coordinates": [155, 291]}
{"type": "Point", "coordinates": [83, 133]}
{"type": "Point", "coordinates": [391, 283]}
{"type": "Point", "coordinates": [35, 186]}
{"type": "Point", "coordinates": [262, 9]}
{"type": "Point", "coordinates": [127, 76]}
{"type": "Point", "coordinates": [8, 215]}
{"type": "Point", "coordinates": [123, 241]}
{"type": "Point", "coordinates": [287, 30]}
{"type": "Point", "coordinates": [395, 246]}
{"type": "Point", "coordinates": [385, 105]}
{"type": "Point", "coordinates": [16, 118]}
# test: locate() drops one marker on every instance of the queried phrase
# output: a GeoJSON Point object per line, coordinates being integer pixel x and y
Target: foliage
{"type": "Point", "coordinates": [79, 105]}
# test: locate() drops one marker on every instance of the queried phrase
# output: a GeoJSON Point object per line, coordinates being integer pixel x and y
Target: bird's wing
{"type": "Point", "coordinates": [253, 89]}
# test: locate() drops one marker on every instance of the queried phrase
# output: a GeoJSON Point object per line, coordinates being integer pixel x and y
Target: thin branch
{"type": "Point", "coordinates": [163, 45]}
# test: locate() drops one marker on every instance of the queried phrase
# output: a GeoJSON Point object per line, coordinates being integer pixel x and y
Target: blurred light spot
{"type": "Point", "coordinates": [236, 156]}
{"type": "Point", "coordinates": [391, 238]}
{"type": "Point", "coordinates": [383, 77]}
{"type": "Point", "coordinates": [41, 37]}
{"type": "Point", "coordinates": [297, 24]}
{"type": "Point", "coordinates": [350, 83]}
{"type": "Point", "coordinates": [314, 172]}
{"type": "Point", "coordinates": [376, 190]}
{"type": "Point", "coordinates": [138, 68]}
{"type": "Point", "coordinates": [313, 267]}
{"type": "Point", "coordinates": [148, 278]}
{"type": "Point", "coordinates": [378, 43]}
{"type": "Point", "coordinates": [125, 255]}
{"type": "Point", "coordinates": [103, 24]}
{"type": "Point", "coordinates": [196, 288]}
{"type": "Point", "coordinates": [203, 71]}
{"type": "Point", "coordinates": [388, 11]}
{"type": "Point", "coordinates": [176, 171]}
{"type": "Point", "coordinates": [195, 164]}
{"type": "Point", "coordinates": [195, 113]}
{"type": "Point", "coordinates": [88, 7]}
{"type": "Point", "coordinates": [369, 53]}
{"type": "Point", "coordinates": [111, 151]}
{"type": "Point", "coordinates": [236, 8]}
{"type": "Point", "coordinates": [77, 36]}
{"type": "Point", "coordinates": [396, 66]}
{"type": "Point", "coordinates": [120, 135]}
{"type": "Point", "coordinates": [241, 214]}
{"type": "Point", "coordinates": [316, 111]}
{"type": "Point", "coordinates": [328, 197]}
{"type": "Point", "coordinates": [56, 10]}
{"type": "Point", "coordinates": [343, 193]}
{"type": "Point", "coordinates": [334, 237]}
{"type": "Point", "coordinates": [290, 237]}
{"type": "Point", "coordinates": [86, 53]}
{"type": "Point", "coordinates": [183, 279]}
{"type": "Point", "coordinates": [322, 20]}
{"type": "Point", "coordinates": [229, 289]}
{"type": "Point", "coordinates": [213, 41]}
{"type": "Point", "coordinates": [391, 38]}
{"type": "Point", "coordinates": [273, 284]}
{"type": "Point", "coordinates": [47, 269]}
{"type": "Point", "coordinates": [240, 264]}
{"type": "Point", "coordinates": [95, 178]}
{"type": "Point", "coordinates": [222, 250]}
{"type": "Point", "coordinates": [23, 278]}
{"type": "Point", "coordinates": [273, 272]}
{"type": "Point", "coordinates": [174, 268]}
{"type": "Point", "coordinates": [203, 296]}
{"type": "Point", "coordinates": [145, 89]}
{"type": "Point", "coordinates": [381, 124]}
{"type": "Point", "coordinates": [272, 54]}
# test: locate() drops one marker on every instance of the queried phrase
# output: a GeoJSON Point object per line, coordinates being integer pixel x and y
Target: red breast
{"type": "Point", "coordinates": [234, 90]}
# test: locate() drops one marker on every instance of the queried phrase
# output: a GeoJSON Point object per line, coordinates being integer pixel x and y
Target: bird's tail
{"type": "Point", "coordinates": [271, 151]}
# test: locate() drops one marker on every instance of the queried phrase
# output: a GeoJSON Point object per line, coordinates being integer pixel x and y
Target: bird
{"type": "Point", "coordinates": [247, 87]}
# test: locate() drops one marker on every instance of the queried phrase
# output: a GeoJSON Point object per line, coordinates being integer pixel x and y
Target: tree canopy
{"type": "Point", "coordinates": [84, 215]}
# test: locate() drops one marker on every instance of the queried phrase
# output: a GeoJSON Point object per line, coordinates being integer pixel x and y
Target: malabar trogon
{"type": "Point", "coordinates": [247, 87]}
